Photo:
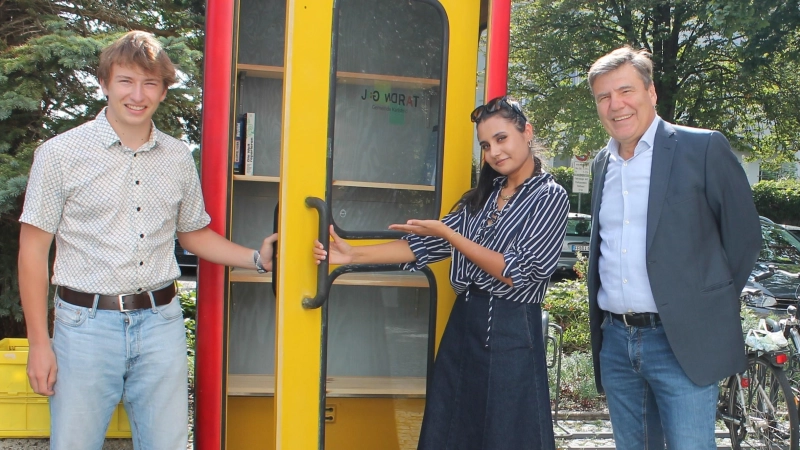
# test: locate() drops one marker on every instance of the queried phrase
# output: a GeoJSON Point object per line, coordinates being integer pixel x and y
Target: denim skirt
{"type": "Point", "coordinates": [489, 386]}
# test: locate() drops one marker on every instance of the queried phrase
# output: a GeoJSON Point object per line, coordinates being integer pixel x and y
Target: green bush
{"type": "Point", "coordinates": [778, 200]}
{"type": "Point", "coordinates": [578, 391]}
{"type": "Point", "coordinates": [568, 304]}
{"type": "Point", "coordinates": [189, 304]}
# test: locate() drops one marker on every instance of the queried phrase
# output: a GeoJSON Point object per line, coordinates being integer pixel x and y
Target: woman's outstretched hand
{"type": "Point", "coordinates": [423, 228]}
{"type": "Point", "coordinates": [340, 251]}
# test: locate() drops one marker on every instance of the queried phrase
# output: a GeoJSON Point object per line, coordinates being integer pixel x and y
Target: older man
{"type": "Point", "coordinates": [676, 235]}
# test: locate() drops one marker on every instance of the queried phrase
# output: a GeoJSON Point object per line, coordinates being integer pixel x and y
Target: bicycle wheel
{"type": "Point", "coordinates": [762, 401]}
{"type": "Point", "coordinates": [731, 410]}
{"type": "Point", "coordinates": [793, 368]}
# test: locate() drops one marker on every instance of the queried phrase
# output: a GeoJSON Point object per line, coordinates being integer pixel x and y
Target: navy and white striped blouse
{"type": "Point", "coordinates": [528, 231]}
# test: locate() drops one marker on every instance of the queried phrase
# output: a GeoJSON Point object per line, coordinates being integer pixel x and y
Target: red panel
{"type": "Point", "coordinates": [214, 174]}
{"type": "Point", "coordinates": [497, 48]}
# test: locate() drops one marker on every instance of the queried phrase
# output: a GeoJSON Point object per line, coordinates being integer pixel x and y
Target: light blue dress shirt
{"type": "Point", "coordinates": [624, 284]}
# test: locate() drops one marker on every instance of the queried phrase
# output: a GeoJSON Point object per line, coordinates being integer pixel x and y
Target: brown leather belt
{"type": "Point", "coordinates": [128, 302]}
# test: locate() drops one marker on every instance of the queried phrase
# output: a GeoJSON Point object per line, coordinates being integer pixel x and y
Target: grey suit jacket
{"type": "Point", "coordinates": [703, 239]}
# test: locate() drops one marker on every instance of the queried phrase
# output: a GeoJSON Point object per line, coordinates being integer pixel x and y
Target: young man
{"type": "Point", "coordinates": [676, 235]}
{"type": "Point", "coordinates": [114, 192]}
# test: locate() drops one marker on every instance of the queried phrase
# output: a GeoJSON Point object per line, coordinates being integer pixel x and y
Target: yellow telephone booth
{"type": "Point", "coordinates": [351, 113]}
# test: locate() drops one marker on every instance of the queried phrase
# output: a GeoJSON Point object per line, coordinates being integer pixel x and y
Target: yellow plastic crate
{"type": "Point", "coordinates": [13, 364]}
{"type": "Point", "coordinates": [29, 417]}
{"type": "Point", "coordinates": [25, 414]}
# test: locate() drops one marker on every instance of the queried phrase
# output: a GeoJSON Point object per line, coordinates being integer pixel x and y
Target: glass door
{"type": "Point", "coordinates": [385, 167]}
{"type": "Point", "coordinates": [341, 104]}
{"type": "Point", "coordinates": [257, 118]}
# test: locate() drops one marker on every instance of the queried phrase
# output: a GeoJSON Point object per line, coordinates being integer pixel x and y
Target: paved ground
{"type": "Point", "coordinates": [43, 444]}
{"type": "Point", "coordinates": [591, 432]}
{"type": "Point", "coordinates": [596, 435]}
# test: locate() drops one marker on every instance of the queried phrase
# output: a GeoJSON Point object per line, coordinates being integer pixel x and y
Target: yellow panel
{"type": "Point", "coordinates": [303, 153]}
{"type": "Point", "coordinates": [463, 16]}
{"type": "Point", "coordinates": [374, 423]}
{"type": "Point", "coordinates": [251, 423]}
{"type": "Point", "coordinates": [359, 422]}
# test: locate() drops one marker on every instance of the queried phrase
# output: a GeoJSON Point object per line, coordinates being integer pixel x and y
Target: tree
{"type": "Point", "coordinates": [48, 54]}
{"type": "Point", "coordinates": [729, 65]}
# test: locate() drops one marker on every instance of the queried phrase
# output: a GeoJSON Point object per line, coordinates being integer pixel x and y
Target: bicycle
{"type": "Point", "coordinates": [759, 406]}
{"type": "Point", "coordinates": [790, 326]}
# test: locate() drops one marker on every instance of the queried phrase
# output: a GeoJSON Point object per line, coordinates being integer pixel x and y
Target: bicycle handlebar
{"type": "Point", "coordinates": [772, 270]}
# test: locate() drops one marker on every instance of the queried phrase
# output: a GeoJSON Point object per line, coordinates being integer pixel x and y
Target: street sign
{"type": "Point", "coordinates": [580, 184]}
{"type": "Point", "coordinates": [581, 167]}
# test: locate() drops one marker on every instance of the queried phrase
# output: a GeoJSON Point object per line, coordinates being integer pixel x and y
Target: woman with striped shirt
{"type": "Point", "coordinates": [489, 389]}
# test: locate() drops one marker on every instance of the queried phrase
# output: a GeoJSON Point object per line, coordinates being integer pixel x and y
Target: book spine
{"type": "Point", "coordinates": [249, 142]}
{"type": "Point", "coordinates": [238, 148]}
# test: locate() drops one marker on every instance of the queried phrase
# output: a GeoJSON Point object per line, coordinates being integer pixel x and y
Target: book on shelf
{"type": "Point", "coordinates": [238, 148]}
{"type": "Point", "coordinates": [249, 142]}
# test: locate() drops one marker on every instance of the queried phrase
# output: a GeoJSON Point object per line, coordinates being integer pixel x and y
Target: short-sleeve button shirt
{"type": "Point", "coordinates": [113, 210]}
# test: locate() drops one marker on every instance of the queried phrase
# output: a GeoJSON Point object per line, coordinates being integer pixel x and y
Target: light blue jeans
{"type": "Point", "coordinates": [650, 399]}
{"type": "Point", "coordinates": [104, 356]}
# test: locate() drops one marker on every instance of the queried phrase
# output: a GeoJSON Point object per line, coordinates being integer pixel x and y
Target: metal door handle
{"type": "Point", "coordinates": [275, 251]}
{"type": "Point", "coordinates": [323, 285]}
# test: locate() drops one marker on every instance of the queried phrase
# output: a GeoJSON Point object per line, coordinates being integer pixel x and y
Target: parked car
{"type": "Point", "coordinates": [579, 229]}
{"type": "Point", "coordinates": [781, 250]}
{"type": "Point", "coordinates": [795, 230]}
{"type": "Point", "coordinates": [185, 258]}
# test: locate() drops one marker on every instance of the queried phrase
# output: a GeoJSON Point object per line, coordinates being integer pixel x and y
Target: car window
{"type": "Point", "coordinates": [778, 245]}
{"type": "Point", "coordinates": [579, 227]}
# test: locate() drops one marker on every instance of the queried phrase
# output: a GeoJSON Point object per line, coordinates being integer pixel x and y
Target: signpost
{"type": "Point", "coordinates": [581, 169]}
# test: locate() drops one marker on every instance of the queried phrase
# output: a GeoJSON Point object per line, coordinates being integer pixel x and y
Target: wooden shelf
{"type": "Point", "coordinates": [399, 279]}
{"type": "Point", "coordinates": [357, 78]}
{"type": "Point", "coordinates": [368, 79]}
{"type": "Point", "coordinates": [249, 276]}
{"type": "Point", "coordinates": [251, 385]}
{"type": "Point", "coordinates": [399, 186]}
{"type": "Point", "coordinates": [259, 71]}
{"type": "Point", "coordinates": [404, 387]}
{"type": "Point", "coordinates": [257, 178]}
{"type": "Point", "coordinates": [345, 183]}
{"type": "Point", "coordinates": [398, 387]}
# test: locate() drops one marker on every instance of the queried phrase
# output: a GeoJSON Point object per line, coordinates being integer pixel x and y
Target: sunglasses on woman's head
{"type": "Point", "coordinates": [496, 105]}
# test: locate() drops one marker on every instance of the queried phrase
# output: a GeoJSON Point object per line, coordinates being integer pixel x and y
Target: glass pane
{"type": "Point", "coordinates": [378, 331]}
{"type": "Point", "coordinates": [262, 96]}
{"type": "Point", "coordinates": [253, 212]}
{"type": "Point", "coordinates": [376, 209]}
{"type": "Point", "coordinates": [251, 347]}
{"type": "Point", "coordinates": [386, 134]}
{"type": "Point", "coordinates": [388, 104]}
{"type": "Point", "coordinates": [262, 26]}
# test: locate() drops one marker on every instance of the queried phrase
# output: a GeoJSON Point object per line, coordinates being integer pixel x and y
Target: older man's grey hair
{"type": "Point", "coordinates": [639, 59]}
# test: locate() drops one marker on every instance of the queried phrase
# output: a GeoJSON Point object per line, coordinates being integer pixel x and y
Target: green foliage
{"type": "Point", "coordinates": [48, 55]}
{"type": "Point", "coordinates": [188, 299]}
{"type": "Point", "coordinates": [563, 176]}
{"type": "Point", "coordinates": [749, 320]}
{"type": "Point", "coordinates": [578, 391]}
{"type": "Point", "coordinates": [568, 304]}
{"type": "Point", "coordinates": [779, 200]}
{"type": "Point", "coordinates": [729, 65]}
